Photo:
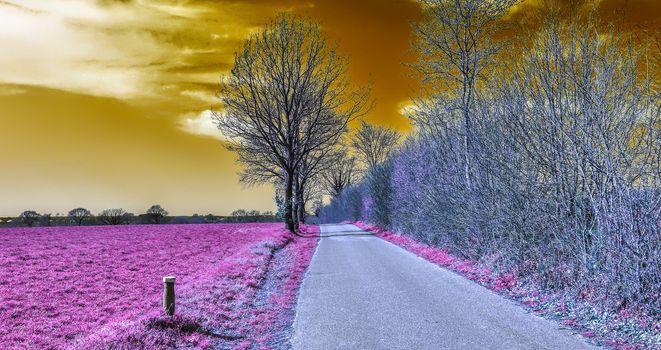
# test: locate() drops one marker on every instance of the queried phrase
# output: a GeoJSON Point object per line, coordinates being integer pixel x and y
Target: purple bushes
{"type": "Point", "coordinates": [100, 287]}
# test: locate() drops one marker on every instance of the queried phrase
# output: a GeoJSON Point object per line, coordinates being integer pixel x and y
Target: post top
{"type": "Point", "coordinates": [169, 279]}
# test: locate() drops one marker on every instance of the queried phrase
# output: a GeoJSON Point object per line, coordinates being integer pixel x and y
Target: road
{"type": "Point", "coordinates": [361, 292]}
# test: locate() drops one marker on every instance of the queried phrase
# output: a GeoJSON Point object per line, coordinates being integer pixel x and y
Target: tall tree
{"type": "Point", "coordinates": [78, 215]}
{"type": "Point", "coordinates": [286, 97]}
{"type": "Point", "coordinates": [308, 176]}
{"type": "Point", "coordinates": [113, 216]}
{"type": "Point", "coordinates": [340, 173]}
{"type": "Point", "coordinates": [156, 213]}
{"type": "Point", "coordinates": [456, 44]}
{"type": "Point", "coordinates": [374, 143]}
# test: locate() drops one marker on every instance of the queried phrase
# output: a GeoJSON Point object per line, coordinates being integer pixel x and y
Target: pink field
{"type": "Point", "coordinates": [101, 287]}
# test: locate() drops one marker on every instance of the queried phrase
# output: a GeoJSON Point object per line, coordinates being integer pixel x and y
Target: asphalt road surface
{"type": "Point", "coordinates": [361, 292]}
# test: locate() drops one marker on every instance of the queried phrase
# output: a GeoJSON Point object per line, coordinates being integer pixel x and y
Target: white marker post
{"type": "Point", "coordinates": [168, 295]}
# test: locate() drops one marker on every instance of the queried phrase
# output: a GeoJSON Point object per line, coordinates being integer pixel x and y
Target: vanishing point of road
{"type": "Point", "coordinates": [361, 292]}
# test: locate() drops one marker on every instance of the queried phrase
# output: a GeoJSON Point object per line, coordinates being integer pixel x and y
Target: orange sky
{"type": "Point", "coordinates": [105, 104]}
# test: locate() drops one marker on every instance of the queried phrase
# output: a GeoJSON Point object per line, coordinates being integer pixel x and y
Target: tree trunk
{"type": "Point", "coordinates": [466, 101]}
{"type": "Point", "coordinates": [298, 201]}
{"type": "Point", "coordinates": [301, 210]}
{"type": "Point", "coordinates": [300, 206]}
{"type": "Point", "coordinates": [289, 213]}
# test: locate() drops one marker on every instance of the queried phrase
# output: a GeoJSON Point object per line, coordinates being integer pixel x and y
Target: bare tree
{"type": "Point", "coordinates": [239, 212]}
{"type": "Point", "coordinates": [29, 217]}
{"type": "Point", "coordinates": [287, 96]}
{"type": "Point", "coordinates": [155, 213]}
{"type": "Point", "coordinates": [113, 216]}
{"type": "Point", "coordinates": [253, 212]}
{"type": "Point", "coordinates": [78, 215]}
{"type": "Point", "coordinates": [456, 45]}
{"type": "Point", "coordinates": [308, 182]}
{"type": "Point", "coordinates": [373, 144]}
{"type": "Point", "coordinates": [339, 173]}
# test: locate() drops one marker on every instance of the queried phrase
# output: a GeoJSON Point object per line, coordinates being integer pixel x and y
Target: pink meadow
{"type": "Point", "coordinates": [101, 286]}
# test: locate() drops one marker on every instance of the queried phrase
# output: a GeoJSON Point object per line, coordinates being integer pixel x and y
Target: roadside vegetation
{"type": "Point", "coordinates": [541, 160]}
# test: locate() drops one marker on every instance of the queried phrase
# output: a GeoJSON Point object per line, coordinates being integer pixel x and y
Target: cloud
{"type": "Point", "coordinates": [123, 49]}
{"type": "Point", "coordinates": [67, 45]}
{"type": "Point", "coordinates": [160, 55]}
{"type": "Point", "coordinates": [201, 124]}
{"type": "Point", "coordinates": [407, 108]}
{"type": "Point", "coordinates": [200, 95]}
{"type": "Point", "coordinates": [7, 90]}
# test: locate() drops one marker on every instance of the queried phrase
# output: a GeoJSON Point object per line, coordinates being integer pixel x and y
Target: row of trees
{"type": "Point", "coordinates": [154, 215]}
{"type": "Point", "coordinates": [545, 158]}
{"type": "Point", "coordinates": [253, 212]}
{"type": "Point", "coordinates": [79, 216]}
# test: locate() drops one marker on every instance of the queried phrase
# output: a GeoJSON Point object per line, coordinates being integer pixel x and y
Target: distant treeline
{"type": "Point", "coordinates": [154, 215]}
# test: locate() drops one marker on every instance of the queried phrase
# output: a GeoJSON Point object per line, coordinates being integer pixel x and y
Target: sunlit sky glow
{"type": "Point", "coordinates": [106, 103]}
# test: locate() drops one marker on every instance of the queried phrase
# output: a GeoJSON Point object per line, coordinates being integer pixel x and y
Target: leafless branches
{"type": "Point", "coordinates": [287, 100]}
{"type": "Point", "coordinates": [456, 47]}
{"type": "Point", "coordinates": [115, 216]}
{"type": "Point", "coordinates": [340, 173]}
{"type": "Point", "coordinates": [78, 215]}
{"type": "Point", "coordinates": [373, 144]}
